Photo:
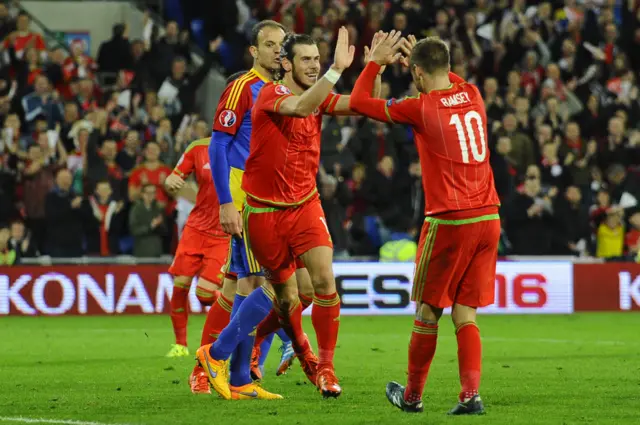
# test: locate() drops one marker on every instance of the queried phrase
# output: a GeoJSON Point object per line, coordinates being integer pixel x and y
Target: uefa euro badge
{"type": "Point", "coordinates": [282, 90]}
{"type": "Point", "coordinates": [227, 118]}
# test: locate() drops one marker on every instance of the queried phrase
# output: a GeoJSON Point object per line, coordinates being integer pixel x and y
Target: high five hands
{"type": "Point", "coordinates": [389, 48]}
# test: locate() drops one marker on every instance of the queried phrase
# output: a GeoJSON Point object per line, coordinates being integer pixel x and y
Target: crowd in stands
{"type": "Point", "coordinates": [87, 141]}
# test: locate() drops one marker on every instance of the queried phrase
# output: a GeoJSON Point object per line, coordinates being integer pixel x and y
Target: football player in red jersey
{"type": "Point", "coordinates": [283, 218]}
{"type": "Point", "coordinates": [202, 250]}
{"type": "Point", "coordinates": [458, 250]}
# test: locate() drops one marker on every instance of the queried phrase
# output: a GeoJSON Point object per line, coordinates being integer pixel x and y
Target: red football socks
{"type": "Point", "coordinates": [180, 313]}
{"type": "Point", "coordinates": [291, 322]}
{"type": "Point", "coordinates": [421, 351]}
{"type": "Point", "coordinates": [469, 359]}
{"type": "Point", "coordinates": [271, 323]}
{"type": "Point", "coordinates": [325, 317]}
{"type": "Point", "coordinates": [217, 319]}
{"type": "Point", "coordinates": [306, 301]}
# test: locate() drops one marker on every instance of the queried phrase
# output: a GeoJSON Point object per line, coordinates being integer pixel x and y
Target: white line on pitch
{"type": "Point", "coordinates": [24, 420]}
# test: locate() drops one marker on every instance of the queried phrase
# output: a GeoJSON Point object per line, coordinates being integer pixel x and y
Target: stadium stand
{"type": "Point", "coordinates": [559, 79]}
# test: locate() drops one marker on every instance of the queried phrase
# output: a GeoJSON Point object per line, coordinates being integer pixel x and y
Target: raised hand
{"type": "Point", "coordinates": [385, 52]}
{"type": "Point", "coordinates": [377, 37]}
{"type": "Point", "coordinates": [343, 56]}
{"type": "Point", "coordinates": [406, 48]}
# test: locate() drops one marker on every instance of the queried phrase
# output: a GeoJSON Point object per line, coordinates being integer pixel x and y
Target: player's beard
{"type": "Point", "coordinates": [298, 80]}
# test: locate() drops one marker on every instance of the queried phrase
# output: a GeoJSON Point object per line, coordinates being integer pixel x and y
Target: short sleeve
{"type": "Point", "coordinates": [185, 164]}
{"type": "Point", "coordinates": [235, 101]}
{"type": "Point", "coordinates": [271, 97]}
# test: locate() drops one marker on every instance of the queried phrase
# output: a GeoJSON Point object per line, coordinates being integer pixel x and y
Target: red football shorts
{"type": "Point", "coordinates": [279, 236]}
{"type": "Point", "coordinates": [456, 259]}
{"type": "Point", "coordinates": [200, 255]}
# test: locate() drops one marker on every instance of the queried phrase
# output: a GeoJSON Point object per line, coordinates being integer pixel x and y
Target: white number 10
{"type": "Point", "coordinates": [469, 117]}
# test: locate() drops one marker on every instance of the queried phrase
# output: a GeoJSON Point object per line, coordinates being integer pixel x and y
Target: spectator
{"type": "Point", "coordinates": [503, 168]}
{"type": "Point", "coordinates": [102, 165]}
{"type": "Point", "coordinates": [23, 38]}
{"type": "Point", "coordinates": [114, 55]}
{"type": "Point", "coordinates": [178, 91]}
{"type": "Point", "coordinates": [151, 171]}
{"type": "Point", "coordinates": [79, 65]}
{"type": "Point", "coordinates": [38, 182]}
{"type": "Point", "coordinates": [632, 238]}
{"type": "Point", "coordinates": [21, 240]}
{"type": "Point", "coordinates": [530, 218]}
{"type": "Point", "coordinates": [171, 46]}
{"type": "Point", "coordinates": [7, 24]}
{"type": "Point", "coordinates": [610, 236]}
{"type": "Point", "coordinates": [147, 224]}
{"type": "Point", "coordinates": [104, 221]}
{"type": "Point", "coordinates": [8, 255]}
{"type": "Point", "coordinates": [335, 198]}
{"type": "Point", "coordinates": [129, 157]}
{"type": "Point", "coordinates": [64, 218]}
{"type": "Point", "coordinates": [521, 153]}
{"type": "Point", "coordinates": [43, 101]}
{"type": "Point", "coordinates": [573, 223]}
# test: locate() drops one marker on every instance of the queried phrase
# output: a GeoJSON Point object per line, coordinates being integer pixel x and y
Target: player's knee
{"type": "Point", "coordinates": [229, 288]}
{"type": "Point", "coordinates": [249, 284]}
{"type": "Point", "coordinates": [462, 314]}
{"type": "Point", "coordinates": [286, 300]}
{"type": "Point", "coordinates": [304, 282]}
{"type": "Point", "coordinates": [182, 281]}
{"type": "Point", "coordinates": [428, 314]}
{"type": "Point", "coordinates": [323, 281]}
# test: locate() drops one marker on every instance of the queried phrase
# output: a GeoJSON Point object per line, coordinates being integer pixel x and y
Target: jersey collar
{"type": "Point", "coordinates": [255, 71]}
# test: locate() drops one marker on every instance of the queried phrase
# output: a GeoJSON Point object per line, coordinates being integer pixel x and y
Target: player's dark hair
{"type": "Point", "coordinates": [235, 76]}
{"type": "Point", "coordinates": [431, 54]}
{"type": "Point", "coordinates": [264, 24]}
{"type": "Point", "coordinates": [292, 40]}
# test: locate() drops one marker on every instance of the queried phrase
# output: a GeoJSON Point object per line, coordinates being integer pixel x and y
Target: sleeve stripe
{"type": "Point", "coordinates": [234, 88]}
{"type": "Point", "coordinates": [236, 91]}
{"type": "Point", "coordinates": [278, 101]}
{"type": "Point", "coordinates": [178, 172]}
{"type": "Point", "coordinates": [386, 111]}
{"type": "Point", "coordinates": [333, 103]}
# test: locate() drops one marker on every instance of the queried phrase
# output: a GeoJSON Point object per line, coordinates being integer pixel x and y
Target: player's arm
{"type": "Point", "coordinates": [305, 104]}
{"type": "Point", "coordinates": [405, 111]}
{"type": "Point", "coordinates": [185, 166]}
{"type": "Point", "coordinates": [234, 103]}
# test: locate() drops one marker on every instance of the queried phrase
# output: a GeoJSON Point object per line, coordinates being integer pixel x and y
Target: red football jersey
{"type": "Point", "coordinates": [450, 132]}
{"type": "Point", "coordinates": [284, 151]}
{"type": "Point", "coordinates": [141, 175]}
{"type": "Point", "coordinates": [205, 216]}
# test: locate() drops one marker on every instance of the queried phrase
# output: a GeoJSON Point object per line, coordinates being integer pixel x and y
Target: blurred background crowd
{"type": "Point", "coordinates": [87, 140]}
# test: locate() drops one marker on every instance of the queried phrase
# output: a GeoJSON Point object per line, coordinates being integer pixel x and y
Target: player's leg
{"type": "Point", "coordinates": [180, 315]}
{"type": "Point", "coordinates": [212, 273]}
{"type": "Point", "coordinates": [310, 240]}
{"type": "Point", "coordinates": [477, 289]}
{"type": "Point", "coordinates": [422, 348]}
{"type": "Point", "coordinates": [325, 315]}
{"type": "Point", "coordinates": [185, 265]}
{"type": "Point", "coordinates": [437, 265]}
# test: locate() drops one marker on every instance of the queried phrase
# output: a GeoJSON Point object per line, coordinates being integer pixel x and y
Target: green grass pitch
{"type": "Point", "coordinates": [583, 368]}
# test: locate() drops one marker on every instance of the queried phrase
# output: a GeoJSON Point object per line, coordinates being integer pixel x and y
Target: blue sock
{"type": "Point", "coordinates": [227, 341]}
{"type": "Point", "coordinates": [254, 309]}
{"type": "Point", "coordinates": [264, 348]}
{"type": "Point", "coordinates": [237, 302]}
{"type": "Point", "coordinates": [283, 336]}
